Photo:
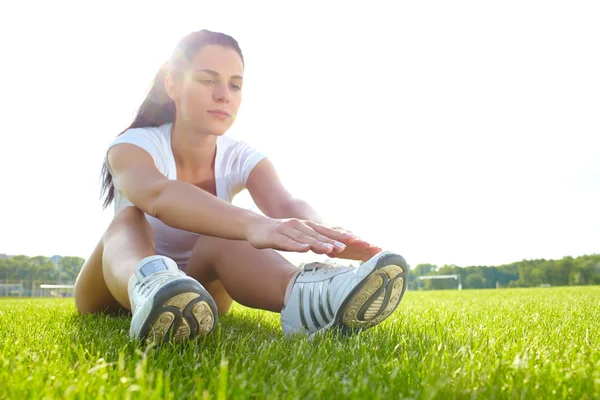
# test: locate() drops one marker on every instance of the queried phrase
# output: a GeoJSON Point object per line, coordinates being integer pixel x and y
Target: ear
{"type": "Point", "coordinates": [170, 87]}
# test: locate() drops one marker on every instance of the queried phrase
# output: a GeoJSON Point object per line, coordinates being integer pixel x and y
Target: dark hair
{"type": "Point", "coordinates": [158, 108]}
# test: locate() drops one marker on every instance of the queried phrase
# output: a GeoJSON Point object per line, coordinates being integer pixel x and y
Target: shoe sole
{"type": "Point", "coordinates": [375, 297]}
{"type": "Point", "coordinates": [180, 311]}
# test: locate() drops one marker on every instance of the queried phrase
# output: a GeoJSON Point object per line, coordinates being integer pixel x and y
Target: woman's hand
{"type": "Point", "coordinates": [297, 235]}
{"type": "Point", "coordinates": [302, 235]}
{"type": "Point", "coordinates": [356, 248]}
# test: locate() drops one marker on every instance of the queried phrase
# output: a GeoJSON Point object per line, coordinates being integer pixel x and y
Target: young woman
{"type": "Point", "coordinates": [177, 252]}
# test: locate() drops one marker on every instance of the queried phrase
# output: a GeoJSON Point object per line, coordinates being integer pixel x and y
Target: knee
{"type": "Point", "coordinates": [132, 218]}
{"type": "Point", "coordinates": [128, 215]}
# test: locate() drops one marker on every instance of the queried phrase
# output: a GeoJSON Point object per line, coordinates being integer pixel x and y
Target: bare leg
{"type": "Point", "coordinates": [219, 295]}
{"type": "Point", "coordinates": [233, 269]}
{"type": "Point", "coordinates": [228, 269]}
{"type": "Point", "coordinates": [102, 281]}
{"type": "Point", "coordinates": [91, 293]}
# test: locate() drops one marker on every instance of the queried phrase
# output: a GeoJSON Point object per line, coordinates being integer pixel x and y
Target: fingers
{"type": "Point", "coordinates": [341, 234]}
{"type": "Point", "coordinates": [288, 244]}
{"type": "Point", "coordinates": [327, 238]}
{"type": "Point", "coordinates": [302, 233]}
{"type": "Point", "coordinates": [335, 233]}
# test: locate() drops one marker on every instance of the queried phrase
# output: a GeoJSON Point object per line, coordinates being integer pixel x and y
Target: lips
{"type": "Point", "coordinates": [220, 113]}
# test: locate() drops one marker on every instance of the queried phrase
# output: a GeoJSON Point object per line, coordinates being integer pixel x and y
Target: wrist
{"type": "Point", "coordinates": [250, 220]}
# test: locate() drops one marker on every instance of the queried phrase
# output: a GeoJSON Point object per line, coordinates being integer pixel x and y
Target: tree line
{"type": "Point", "coordinates": [583, 270]}
{"type": "Point", "coordinates": [568, 271]}
{"type": "Point", "coordinates": [40, 268]}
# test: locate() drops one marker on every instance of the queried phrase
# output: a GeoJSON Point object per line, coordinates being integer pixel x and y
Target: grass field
{"type": "Point", "coordinates": [513, 343]}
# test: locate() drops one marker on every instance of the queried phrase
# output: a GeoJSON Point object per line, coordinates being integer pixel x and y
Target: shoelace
{"type": "Point", "coordinates": [316, 266]}
{"type": "Point", "coordinates": [156, 279]}
{"type": "Point", "coordinates": [326, 267]}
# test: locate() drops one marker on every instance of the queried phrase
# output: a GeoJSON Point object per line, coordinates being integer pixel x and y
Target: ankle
{"type": "Point", "coordinates": [290, 285]}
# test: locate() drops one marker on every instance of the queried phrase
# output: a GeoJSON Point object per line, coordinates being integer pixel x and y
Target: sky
{"type": "Point", "coordinates": [461, 132]}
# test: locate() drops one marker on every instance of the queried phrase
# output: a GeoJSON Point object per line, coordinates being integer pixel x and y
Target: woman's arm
{"type": "Point", "coordinates": [184, 206]}
{"type": "Point", "coordinates": [273, 199]}
{"type": "Point", "coordinates": [297, 208]}
{"type": "Point", "coordinates": [176, 203]}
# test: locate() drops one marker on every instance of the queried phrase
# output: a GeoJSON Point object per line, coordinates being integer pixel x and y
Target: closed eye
{"type": "Point", "coordinates": [213, 82]}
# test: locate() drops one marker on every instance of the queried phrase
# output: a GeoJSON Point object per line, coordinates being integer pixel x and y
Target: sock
{"type": "Point", "coordinates": [288, 291]}
{"type": "Point", "coordinates": [152, 264]}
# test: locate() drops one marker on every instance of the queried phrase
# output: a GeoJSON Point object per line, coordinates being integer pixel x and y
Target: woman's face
{"type": "Point", "coordinates": [209, 94]}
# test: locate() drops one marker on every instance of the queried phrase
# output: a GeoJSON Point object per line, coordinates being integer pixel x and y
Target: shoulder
{"type": "Point", "coordinates": [150, 138]}
{"type": "Point", "coordinates": [156, 133]}
{"type": "Point", "coordinates": [154, 140]}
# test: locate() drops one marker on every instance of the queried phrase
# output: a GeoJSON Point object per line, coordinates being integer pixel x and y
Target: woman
{"type": "Point", "coordinates": [177, 252]}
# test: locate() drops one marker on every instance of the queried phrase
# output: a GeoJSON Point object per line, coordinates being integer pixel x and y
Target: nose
{"type": "Point", "coordinates": [221, 93]}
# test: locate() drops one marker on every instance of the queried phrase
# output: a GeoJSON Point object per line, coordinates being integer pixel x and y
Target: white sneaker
{"type": "Point", "coordinates": [324, 296]}
{"type": "Point", "coordinates": [166, 303]}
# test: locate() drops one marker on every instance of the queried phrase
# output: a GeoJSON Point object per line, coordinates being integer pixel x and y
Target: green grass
{"type": "Point", "coordinates": [519, 343]}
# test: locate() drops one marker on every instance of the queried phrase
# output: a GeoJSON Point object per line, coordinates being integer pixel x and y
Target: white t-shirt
{"type": "Point", "coordinates": [233, 163]}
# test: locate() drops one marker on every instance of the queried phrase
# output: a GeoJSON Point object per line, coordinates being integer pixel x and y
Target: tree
{"type": "Point", "coordinates": [474, 281]}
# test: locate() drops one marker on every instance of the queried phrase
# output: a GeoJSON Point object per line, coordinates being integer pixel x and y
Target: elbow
{"type": "Point", "coordinates": [153, 209]}
{"type": "Point", "coordinates": [157, 200]}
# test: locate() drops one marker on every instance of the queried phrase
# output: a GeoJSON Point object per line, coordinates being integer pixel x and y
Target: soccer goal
{"type": "Point", "coordinates": [454, 276]}
{"type": "Point", "coordinates": [57, 290]}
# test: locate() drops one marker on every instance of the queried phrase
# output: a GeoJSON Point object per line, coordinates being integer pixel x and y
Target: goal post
{"type": "Point", "coordinates": [453, 276]}
{"type": "Point", "coordinates": [49, 290]}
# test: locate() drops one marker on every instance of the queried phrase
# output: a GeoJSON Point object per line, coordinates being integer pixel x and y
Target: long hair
{"type": "Point", "coordinates": [158, 108]}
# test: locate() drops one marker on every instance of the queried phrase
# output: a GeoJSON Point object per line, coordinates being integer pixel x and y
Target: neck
{"type": "Point", "coordinates": [194, 152]}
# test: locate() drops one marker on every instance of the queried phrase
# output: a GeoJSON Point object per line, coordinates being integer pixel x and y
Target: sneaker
{"type": "Point", "coordinates": [166, 303]}
{"type": "Point", "coordinates": [325, 295]}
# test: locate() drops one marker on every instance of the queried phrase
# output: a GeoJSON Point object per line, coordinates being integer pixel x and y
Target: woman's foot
{"type": "Point", "coordinates": [168, 304]}
{"type": "Point", "coordinates": [325, 296]}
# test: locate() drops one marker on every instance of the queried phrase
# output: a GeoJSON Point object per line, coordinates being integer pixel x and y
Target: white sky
{"type": "Point", "coordinates": [463, 132]}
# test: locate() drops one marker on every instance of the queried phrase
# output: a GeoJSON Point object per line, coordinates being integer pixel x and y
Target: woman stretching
{"type": "Point", "coordinates": [177, 252]}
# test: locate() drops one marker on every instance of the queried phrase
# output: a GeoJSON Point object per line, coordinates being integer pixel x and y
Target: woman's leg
{"type": "Point", "coordinates": [228, 269]}
{"type": "Point", "coordinates": [102, 281]}
{"type": "Point", "coordinates": [219, 295]}
{"type": "Point", "coordinates": [234, 270]}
